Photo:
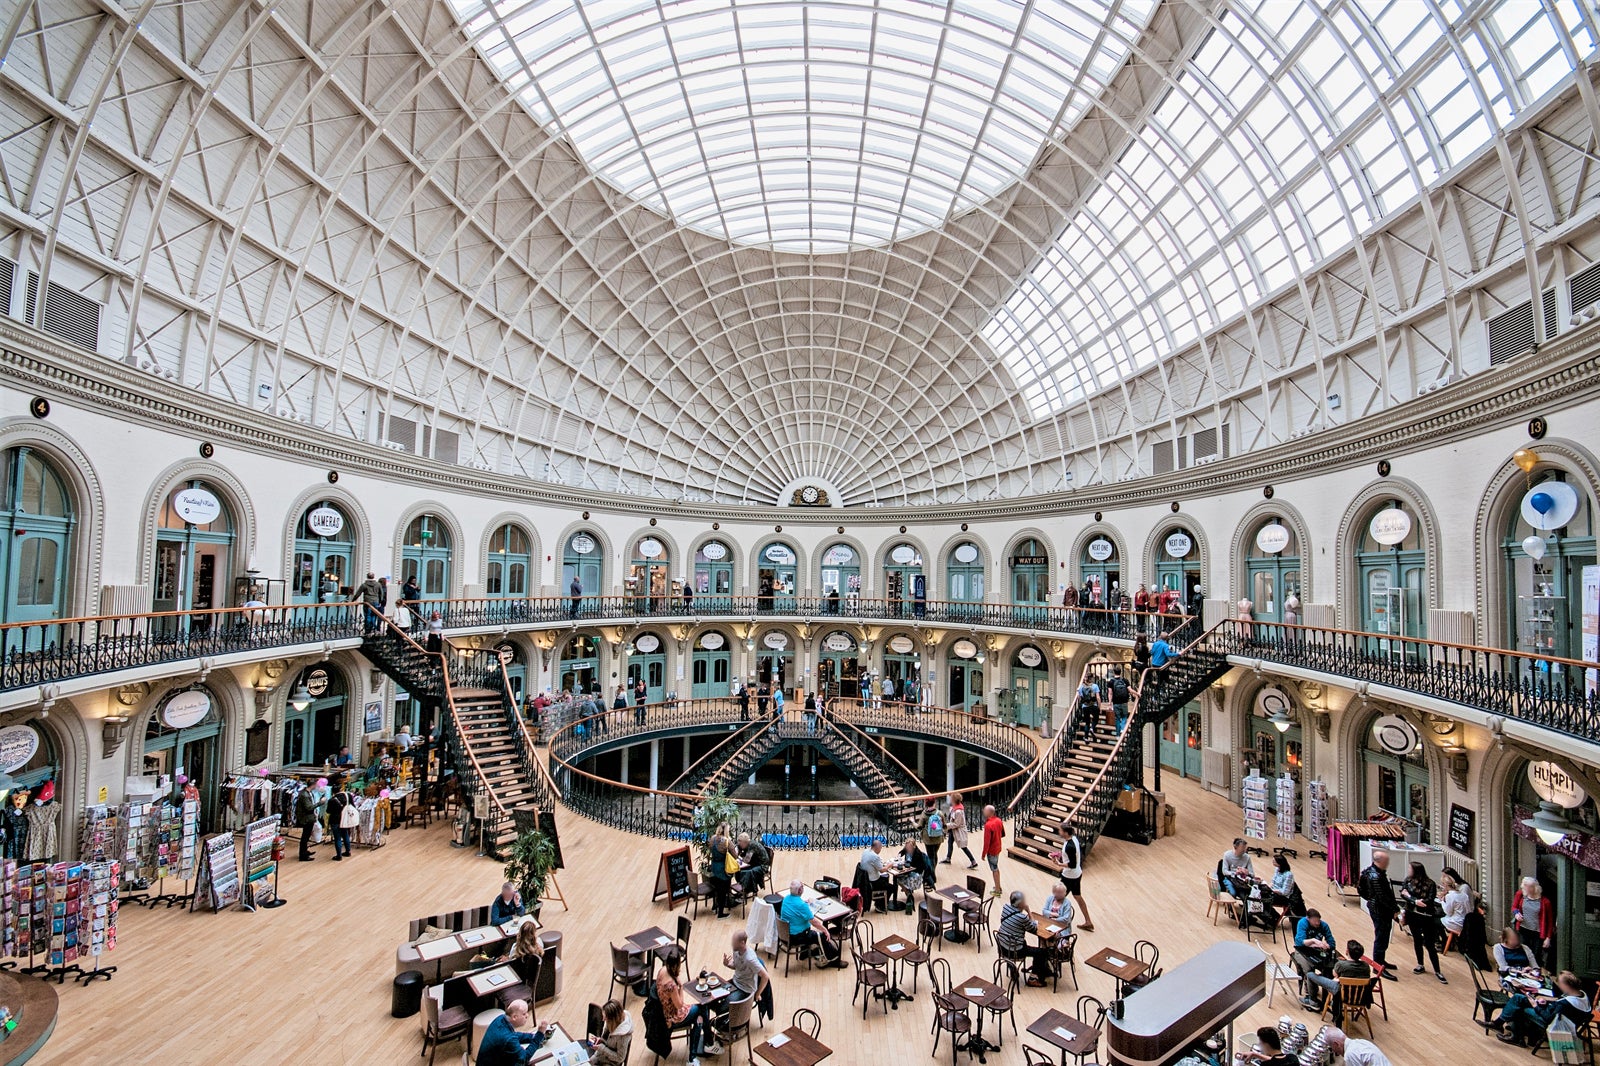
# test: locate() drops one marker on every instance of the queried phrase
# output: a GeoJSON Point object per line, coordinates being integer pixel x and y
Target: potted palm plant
{"type": "Point", "coordinates": [530, 860]}
{"type": "Point", "coordinates": [715, 809]}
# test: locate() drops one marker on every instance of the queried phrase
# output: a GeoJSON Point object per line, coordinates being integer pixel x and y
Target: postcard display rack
{"type": "Point", "coordinates": [260, 863]}
{"type": "Point", "coordinates": [153, 841]}
{"type": "Point", "coordinates": [1288, 801]}
{"type": "Point", "coordinates": [1317, 824]}
{"type": "Point", "coordinates": [1255, 807]}
{"type": "Point", "coordinates": [61, 913]}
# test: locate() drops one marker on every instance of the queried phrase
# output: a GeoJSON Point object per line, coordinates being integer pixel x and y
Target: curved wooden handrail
{"type": "Point", "coordinates": [104, 619]}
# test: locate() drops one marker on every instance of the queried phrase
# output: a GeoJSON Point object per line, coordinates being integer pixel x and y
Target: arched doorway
{"type": "Point", "coordinates": [774, 659]}
{"type": "Point", "coordinates": [839, 667]}
{"type": "Point", "coordinates": [581, 558]}
{"type": "Point", "coordinates": [1272, 570]}
{"type": "Point", "coordinates": [324, 554]}
{"type": "Point", "coordinates": [648, 660]}
{"type": "Point", "coordinates": [1030, 685]}
{"type": "Point", "coordinates": [904, 584]}
{"type": "Point", "coordinates": [903, 665]}
{"type": "Point", "coordinates": [515, 667]}
{"type": "Point", "coordinates": [713, 577]}
{"type": "Point", "coordinates": [1277, 745]}
{"type": "Point", "coordinates": [1567, 869]}
{"type": "Point", "coordinates": [841, 572]}
{"type": "Point", "coordinates": [426, 555]}
{"type": "Point", "coordinates": [965, 667]}
{"type": "Point", "coordinates": [183, 736]}
{"type": "Point", "coordinates": [712, 667]}
{"type": "Point", "coordinates": [37, 521]}
{"type": "Point", "coordinates": [579, 669]}
{"type": "Point", "coordinates": [775, 578]}
{"type": "Point", "coordinates": [1030, 580]}
{"type": "Point", "coordinates": [1392, 570]}
{"type": "Point", "coordinates": [194, 556]}
{"type": "Point", "coordinates": [315, 717]}
{"type": "Point", "coordinates": [1101, 564]}
{"type": "Point", "coordinates": [1544, 596]}
{"type": "Point", "coordinates": [964, 580]}
{"type": "Point", "coordinates": [1178, 567]}
{"type": "Point", "coordinates": [1183, 740]}
{"type": "Point", "coordinates": [505, 576]}
{"type": "Point", "coordinates": [1394, 776]}
{"type": "Point", "coordinates": [648, 581]}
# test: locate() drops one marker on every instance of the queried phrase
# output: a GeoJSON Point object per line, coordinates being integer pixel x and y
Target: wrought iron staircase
{"type": "Point", "coordinates": [725, 765]}
{"type": "Point", "coordinates": [873, 775]}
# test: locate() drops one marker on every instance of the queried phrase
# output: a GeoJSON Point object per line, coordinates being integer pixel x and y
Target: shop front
{"type": "Point", "coordinates": [904, 585]}
{"type": "Point", "coordinates": [426, 555]}
{"type": "Point", "coordinates": [1548, 544]}
{"type": "Point", "coordinates": [194, 556]}
{"type": "Point", "coordinates": [1030, 580]}
{"type": "Point", "coordinates": [1030, 686]}
{"type": "Point", "coordinates": [1178, 567]}
{"type": "Point", "coordinates": [964, 666]}
{"type": "Point", "coordinates": [648, 662]}
{"type": "Point", "coordinates": [314, 719]}
{"type": "Point", "coordinates": [579, 669]}
{"type": "Point", "coordinates": [505, 574]}
{"type": "Point", "coordinates": [1394, 777]}
{"type": "Point", "coordinates": [711, 666]}
{"type": "Point", "coordinates": [183, 746]}
{"type": "Point", "coordinates": [37, 523]}
{"type": "Point", "coordinates": [713, 577]}
{"type": "Point", "coordinates": [1272, 573]}
{"type": "Point", "coordinates": [964, 582]}
{"type": "Point", "coordinates": [1567, 865]}
{"type": "Point", "coordinates": [581, 558]}
{"type": "Point", "coordinates": [841, 574]}
{"type": "Point", "coordinates": [775, 578]}
{"type": "Point", "coordinates": [324, 555]}
{"type": "Point", "coordinates": [775, 660]}
{"type": "Point", "coordinates": [839, 666]}
{"type": "Point", "coordinates": [1392, 570]}
{"type": "Point", "coordinates": [515, 666]}
{"type": "Point", "coordinates": [1182, 741]}
{"type": "Point", "coordinates": [1100, 566]}
{"type": "Point", "coordinates": [902, 664]}
{"type": "Point", "coordinates": [649, 583]}
{"type": "Point", "coordinates": [1277, 746]}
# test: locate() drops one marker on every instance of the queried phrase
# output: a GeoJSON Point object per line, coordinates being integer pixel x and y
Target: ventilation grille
{"type": "Point", "coordinates": [406, 434]}
{"type": "Point", "coordinates": [446, 446]}
{"type": "Point", "coordinates": [8, 275]}
{"type": "Point", "coordinates": [73, 318]}
{"type": "Point", "coordinates": [1511, 333]}
{"type": "Point", "coordinates": [1584, 288]}
{"type": "Point", "coordinates": [1549, 301]}
{"type": "Point", "coordinates": [400, 431]}
{"type": "Point", "coordinates": [1161, 457]}
{"type": "Point", "coordinates": [1199, 447]}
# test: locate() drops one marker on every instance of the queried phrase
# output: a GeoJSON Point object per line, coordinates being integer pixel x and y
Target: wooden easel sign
{"type": "Point", "coordinates": [672, 877]}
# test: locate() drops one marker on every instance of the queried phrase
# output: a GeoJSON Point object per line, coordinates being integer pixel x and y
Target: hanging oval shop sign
{"type": "Point", "coordinates": [650, 548]}
{"type": "Point", "coordinates": [713, 550]}
{"type": "Point", "coordinates": [963, 649]}
{"type": "Point", "coordinates": [1390, 526]}
{"type": "Point", "coordinates": [1179, 545]}
{"type": "Point", "coordinates": [197, 507]}
{"type": "Point", "coordinates": [506, 652]}
{"type": "Point", "coordinates": [1555, 785]}
{"type": "Point", "coordinates": [325, 521]}
{"type": "Point", "coordinates": [903, 554]}
{"type": "Point", "coordinates": [776, 641]}
{"type": "Point", "coordinates": [18, 743]}
{"type": "Point", "coordinates": [712, 641]}
{"type": "Point", "coordinates": [901, 645]}
{"type": "Point", "coordinates": [1272, 538]}
{"type": "Point", "coordinates": [582, 544]}
{"type": "Point", "coordinates": [781, 554]}
{"type": "Point", "coordinates": [838, 642]}
{"type": "Point", "coordinates": [1395, 735]}
{"type": "Point", "coordinates": [966, 553]}
{"type": "Point", "coordinates": [647, 643]}
{"type": "Point", "coordinates": [1273, 700]}
{"type": "Point", "coordinates": [317, 682]}
{"type": "Point", "coordinates": [1030, 657]}
{"type": "Point", "coordinates": [1101, 549]}
{"type": "Point", "coordinates": [186, 709]}
{"type": "Point", "coordinates": [839, 555]}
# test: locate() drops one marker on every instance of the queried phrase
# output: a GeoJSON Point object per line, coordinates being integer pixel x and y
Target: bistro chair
{"type": "Point", "coordinates": [698, 890]}
{"type": "Point", "coordinates": [1220, 902]}
{"type": "Point", "coordinates": [1032, 1056]}
{"type": "Point", "coordinates": [789, 949]}
{"type": "Point", "coordinates": [871, 978]}
{"type": "Point", "coordinates": [441, 1024]}
{"type": "Point", "coordinates": [1377, 995]}
{"type": "Point", "coordinates": [1355, 996]}
{"type": "Point", "coordinates": [628, 968]}
{"type": "Point", "coordinates": [933, 911]}
{"type": "Point", "coordinates": [736, 1024]}
{"type": "Point", "coordinates": [1150, 955]}
{"type": "Point", "coordinates": [862, 938]}
{"type": "Point", "coordinates": [980, 920]}
{"type": "Point", "coordinates": [1090, 1012]}
{"type": "Point", "coordinates": [1008, 979]}
{"type": "Point", "coordinates": [1063, 956]}
{"type": "Point", "coordinates": [977, 886]}
{"type": "Point", "coordinates": [685, 928]}
{"type": "Point", "coordinates": [949, 1011]}
{"type": "Point", "coordinates": [526, 967]}
{"type": "Point", "coordinates": [594, 1022]}
{"type": "Point", "coordinates": [918, 956]}
{"type": "Point", "coordinates": [808, 1022]}
{"type": "Point", "coordinates": [1487, 999]}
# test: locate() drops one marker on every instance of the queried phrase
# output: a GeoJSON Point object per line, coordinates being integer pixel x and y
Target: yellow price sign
{"type": "Point", "coordinates": [104, 793]}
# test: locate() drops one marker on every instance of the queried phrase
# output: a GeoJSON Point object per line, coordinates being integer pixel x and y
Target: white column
{"type": "Point", "coordinates": [655, 764]}
{"type": "Point", "coordinates": [983, 769]}
{"type": "Point", "coordinates": [949, 768]}
{"type": "Point", "coordinates": [625, 765]}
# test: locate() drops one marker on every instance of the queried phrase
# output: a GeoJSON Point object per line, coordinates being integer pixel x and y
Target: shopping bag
{"type": "Point", "coordinates": [1563, 1037]}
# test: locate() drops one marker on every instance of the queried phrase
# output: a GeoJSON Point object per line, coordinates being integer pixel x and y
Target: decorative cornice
{"type": "Point", "coordinates": [1563, 371]}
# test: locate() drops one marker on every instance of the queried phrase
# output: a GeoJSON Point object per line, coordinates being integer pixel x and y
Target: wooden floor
{"type": "Point", "coordinates": [309, 982]}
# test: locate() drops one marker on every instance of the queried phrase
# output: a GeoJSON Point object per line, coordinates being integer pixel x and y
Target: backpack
{"type": "Point", "coordinates": [935, 825]}
{"type": "Point", "coordinates": [1119, 690]}
{"type": "Point", "coordinates": [1088, 700]}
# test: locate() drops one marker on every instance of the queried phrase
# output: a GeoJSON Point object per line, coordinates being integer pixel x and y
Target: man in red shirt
{"type": "Point", "coordinates": [993, 832]}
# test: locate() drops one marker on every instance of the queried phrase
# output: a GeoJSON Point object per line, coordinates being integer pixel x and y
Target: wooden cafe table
{"type": "Point", "coordinates": [1049, 928]}
{"type": "Point", "coordinates": [960, 899]}
{"type": "Point", "coordinates": [980, 994]}
{"type": "Point", "coordinates": [895, 948]}
{"type": "Point", "coordinates": [1119, 964]}
{"type": "Point", "coordinates": [793, 1047]}
{"type": "Point", "coordinates": [1066, 1033]}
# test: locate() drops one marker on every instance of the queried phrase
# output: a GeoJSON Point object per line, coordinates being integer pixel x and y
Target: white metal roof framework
{"type": "Point", "coordinates": [924, 252]}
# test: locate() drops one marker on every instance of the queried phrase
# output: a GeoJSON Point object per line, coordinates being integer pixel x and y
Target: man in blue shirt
{"type": "Point", "coordinates": [507, 905]}
{"type": "Point", "coordinates": [503, 1045]}
{"type": "Point", "coordinates": [1313, 950]}
{"type": "Point", "coordinates": [804, 925]}
{"type": "Point", "coordinates": [1161, 652]}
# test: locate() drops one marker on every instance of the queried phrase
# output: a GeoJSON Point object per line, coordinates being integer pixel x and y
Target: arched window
{"type": "Point", "coordinates": [183, 736]}
{"type": "Point", "coordinates": [583, 562]}
{"type": "Point", "coordinates": [194, 555]}
{"type": "Point", "coordinates": [1100, 565]}
{"type": "Point", "coordinates": [713, 576]}
{"type": "Point", "coordinates": [838, 668]}
{"type": "Point", "coordinates": [1030, 686]}
{"type": "Point", "coordinates": [324, 554]}
{"type": "Point", "coordinates": [1392, 571]}
{"type": "Point", "coordinates": [579, 671]}
{"type": "Point", "coordinates": [426, 555]}
{"type": "Point", "coordinates": [775, 577]}
{"type": "Point", "coordinates": [712, 669]}
{"type": "Point", "coordinates": [1030, 576]}
{"type": "Point", "coordinates": [1178, 566]}
{"type": "Point", "coordinates": [964, 573]}
{"type": "Point", "coordinates": [649, 582]}
{"type": "Point", "coordinates": [1544, 596]}
{"type": "Point", "coordinates": [36, 522]}
{"type": "Point", "coordinates": [315, 721]}
{"type": "Point", "coordinates": [516, 668]}
{"type": "Point", "coordinates": [904, 584]}
{"type": "Point", "coordinates": [1272, 572]}
{"type": "Point", "coordinates": [1395, 778]}
{"type": "Point", "coordinates": [648, 662]}
{"type": "Point", "coordinates": [506, 574]}
{"type": "Point", "coordinates": [964, 662]}
{"type": "Point", "coordinates": [840, 576]}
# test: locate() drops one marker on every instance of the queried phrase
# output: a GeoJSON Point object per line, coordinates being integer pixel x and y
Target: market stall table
{"type": "Point", "coordinates": [1065, 1032]}
{"type": "Point", "coordinates": [980, 994]}
{"type": "Point", "coordinates": [1119, 964]}
{"type": "Point", "coordinates": [895, 948]}
{"type": "Point", "coordinates": [793, 1047]}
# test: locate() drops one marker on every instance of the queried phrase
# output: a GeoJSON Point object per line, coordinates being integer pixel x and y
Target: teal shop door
{"type": "Point", "coordinates": [1391, 593]}
{"type": "Point", "coordinates": [966, 685]}
{"type": "Point", "coordinates": [1181, 741]}
{"type": "Point", "coordinates": [35, 576]}
{"type": "Point", "coordinates": [1030, 581]}
{"type": "Point", "coordinates": [653, 668]}
{"type": "Point", "coordinates": [1270, 581]}
{"type": "Point", "coordinates": [713, 578]}
{"type": "Point", "coordinates": [711, 673]}
{"type": "Point", "coordinates": [1030, 686]}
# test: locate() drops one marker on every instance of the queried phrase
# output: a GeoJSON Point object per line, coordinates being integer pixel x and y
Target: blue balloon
{"type": "Point", "coordinates": [1542, 502]}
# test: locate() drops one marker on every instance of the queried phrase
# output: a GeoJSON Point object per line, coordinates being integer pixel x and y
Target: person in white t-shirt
{"type": "Point", "coordinates": [1071, 859]}
{"type": "Point", "coordinates": [1355, 1052]}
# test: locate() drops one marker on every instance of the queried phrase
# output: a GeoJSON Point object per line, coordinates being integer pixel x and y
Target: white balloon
{"type": "Point", "coordinates": [1534, 545]}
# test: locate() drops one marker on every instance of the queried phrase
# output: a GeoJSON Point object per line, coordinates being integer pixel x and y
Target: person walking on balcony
{"type": "Point", "coordinates": [1069, 600]}
{"type": "Point", "coordinates": [641, 696]}
{"type": "Point", "coordinates": [575, 591]}
{"type": "Point", "coordinates": [777, 703]}
{"type": "Point", "coordinates": [763, 696]}
{"type": "Point", "coordinates": [810, 713]}
{"type": "Point", "coordinates": [744, 701]}
{"type": "Point", "coordinates": [435, 632]}
{"type": "Point", "coordinates": [410, 597]}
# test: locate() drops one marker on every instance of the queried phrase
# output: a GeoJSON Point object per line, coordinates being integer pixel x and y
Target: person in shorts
{"type": "Point", "coordinates": [1071, 858]}
{"type": "Point", "coordinates": [994, 832]}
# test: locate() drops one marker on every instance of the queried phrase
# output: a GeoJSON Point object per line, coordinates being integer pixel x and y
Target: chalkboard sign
{"type": "Point", "coordinates": [1462, 823]}
{"type": "Point", "coordinates": [672, 878]}
{"type": "Point", "coordinates": [256, 743]}
{"type": "Point", "coordinates": [547, 826]}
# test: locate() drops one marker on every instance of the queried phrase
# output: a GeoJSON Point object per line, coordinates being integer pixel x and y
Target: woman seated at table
{"type": "Point", "coordinates": [678, 1011]}
{"type": "Point", "coordinates": [1058, 907]}
{"type": "Point", "coordinates": [1285, 892]}
{"type": "Point", "coordinates": [611, 1047]}
{"type": "Point", "coordinates": [919, 871]}
{"type": "Point", "coordinates": [1269, 1050]}
{"type": "Point", "coordinates": [1511, 953]}
{"type": "Point", "coordinates": [1524, 1018]}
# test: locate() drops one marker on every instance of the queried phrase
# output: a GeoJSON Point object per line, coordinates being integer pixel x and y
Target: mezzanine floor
{"type": "Point", "coordinates": [309, 983]}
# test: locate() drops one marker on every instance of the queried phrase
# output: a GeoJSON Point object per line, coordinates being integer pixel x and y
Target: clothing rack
{"type": "Point", "coordinates": [1344, 848]}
